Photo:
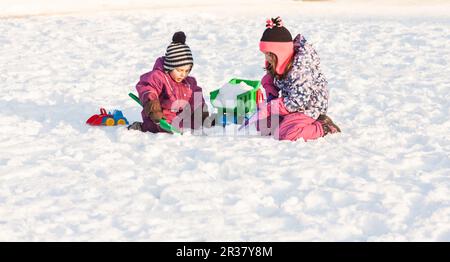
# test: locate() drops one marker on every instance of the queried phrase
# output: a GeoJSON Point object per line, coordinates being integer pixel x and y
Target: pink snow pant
{"type": "Point", "coordinates": [291, 127]}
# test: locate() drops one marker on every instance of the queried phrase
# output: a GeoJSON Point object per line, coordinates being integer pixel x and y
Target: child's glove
{"type": "Point", "coordinates": [153, 110]}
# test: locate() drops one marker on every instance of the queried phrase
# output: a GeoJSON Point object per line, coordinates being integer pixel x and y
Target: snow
{"type": "Point", "coordinates": [51, 7]}
{"type": "Point", "coordinates": [24, 8]}
{"type": "Point", "coordinates": [385, 178]}
{"type": "Point", "coordinates": [227, 97]}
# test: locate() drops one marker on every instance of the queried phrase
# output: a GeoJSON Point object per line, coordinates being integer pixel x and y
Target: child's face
{"type": "Point", "coordinates": [180, 73]}
{"type": "Point", "coordinates": [271, 58]}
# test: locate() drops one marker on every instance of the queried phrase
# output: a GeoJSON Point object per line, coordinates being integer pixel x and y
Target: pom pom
{"type": "Point", "coordinates": [269, 23]}
{"type": "Point", "coordinates": [179, 37]}
{"type": "Point", "coordinates": [274, 22]}
{"type": "Point", "coordinates": [278, 22]}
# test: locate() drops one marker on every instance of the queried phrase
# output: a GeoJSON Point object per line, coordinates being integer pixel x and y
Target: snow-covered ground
{"type": "Point", "coordinates": [386, 177]}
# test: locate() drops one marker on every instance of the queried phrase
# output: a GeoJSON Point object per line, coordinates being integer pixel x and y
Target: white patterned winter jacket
{"type": "Point", "coordinates": [304, 89]}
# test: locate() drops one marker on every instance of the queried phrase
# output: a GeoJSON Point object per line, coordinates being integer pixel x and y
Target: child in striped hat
{"type": "Point", "coordinates": [178, 60]}
{"type": "Point", "coordinates": [169, 92]}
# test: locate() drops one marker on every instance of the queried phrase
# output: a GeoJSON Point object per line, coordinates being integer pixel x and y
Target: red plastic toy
{"type": "Point", "coordinates": [116, 118]}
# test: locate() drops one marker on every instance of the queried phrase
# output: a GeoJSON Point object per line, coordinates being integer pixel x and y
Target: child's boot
{"type": "Point", "coordinates": [135, 126]}
{"type": "Point", "coordinates": [329, 127]}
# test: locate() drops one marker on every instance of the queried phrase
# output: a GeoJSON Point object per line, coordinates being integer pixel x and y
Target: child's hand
{"type": "Point", "coordinates": [153, 110]}
{"type": "Point", "coordinates": [156, 116]}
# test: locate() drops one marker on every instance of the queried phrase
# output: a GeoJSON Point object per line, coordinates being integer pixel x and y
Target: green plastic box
{"type": "Point", "coordinates": [248, 100]}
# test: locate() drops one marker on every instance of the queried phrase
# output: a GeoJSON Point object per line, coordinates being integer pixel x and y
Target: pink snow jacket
{"type": "Point", "coordinates": [173, 96]}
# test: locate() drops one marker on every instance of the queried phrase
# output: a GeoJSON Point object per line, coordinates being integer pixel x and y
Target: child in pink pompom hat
{"type": "Point", "coordinates": [293, 67]}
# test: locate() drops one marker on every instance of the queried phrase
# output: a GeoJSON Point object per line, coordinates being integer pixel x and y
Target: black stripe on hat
{"type": "Point", "coordinates": [176, 47]}
{"type": "Point", "coordinates": [180, 62]}
{"type": "Point", "coordinates": [171, 67]}
{"type": "Point", "coordinates": [176, 61]}
{"type": "Point", "coordinates": [177, 53]}
{"type": "Point", "coordinates": [178, 56]}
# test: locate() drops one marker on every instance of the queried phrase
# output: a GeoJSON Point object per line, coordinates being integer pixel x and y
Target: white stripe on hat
{"type": "Point", "coordinates": [181, 52]}
{"type": "Point", "coordinates": [176, 58]}
{"type": "Point", "coordinates": [176, 47]}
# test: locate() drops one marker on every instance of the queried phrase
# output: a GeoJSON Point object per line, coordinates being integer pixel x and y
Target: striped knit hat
{"type": "Point", "coordinates": [178, 53]}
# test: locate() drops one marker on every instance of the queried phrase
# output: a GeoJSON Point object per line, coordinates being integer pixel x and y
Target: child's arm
{"type": "Point", "coordinates": [310, 90]}
{"type": "Point", "coordinates": [269, 87]}
{"type": "Point", "coordinates": [149, 89]}
{"type": "Point", "coordinates": [296, 102]}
